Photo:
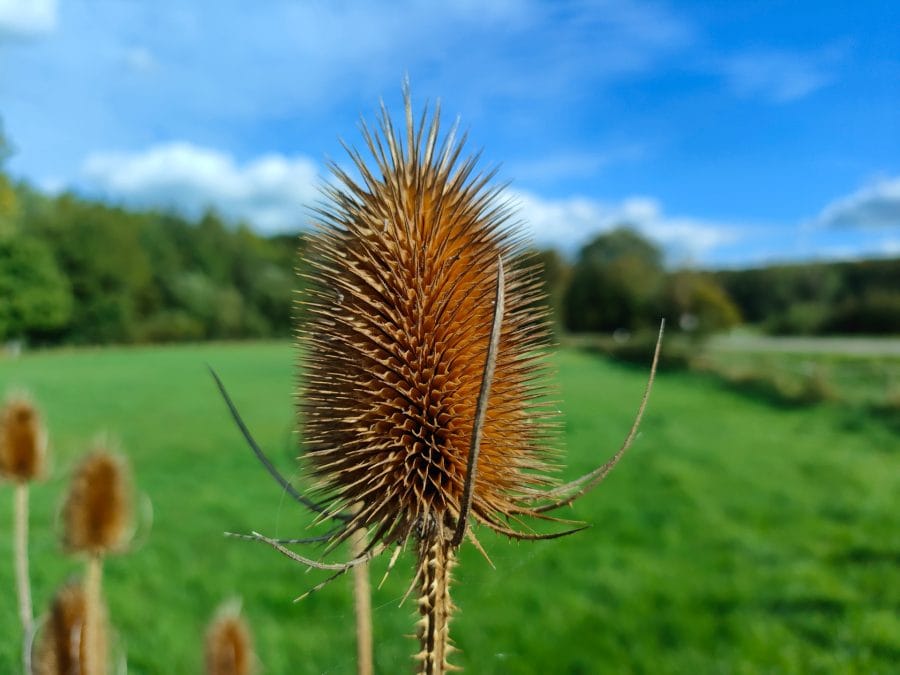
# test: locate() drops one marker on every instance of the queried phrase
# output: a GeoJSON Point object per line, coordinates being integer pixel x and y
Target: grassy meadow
{"type": "Point", "coordinates": [737, 536]}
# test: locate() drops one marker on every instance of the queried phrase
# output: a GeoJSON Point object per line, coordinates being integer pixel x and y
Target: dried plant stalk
{"type": "Point", "coordinates": [94, 656]}
{"type": "Point", "coordinates": [23, 451]}
{"type": "Point", "coordinates": [62, 647]}
{"type": "Point", "coordinates": [362, 603]}
{"type": "Point", "coordinates": [436, 561]}
{"type": "Point", "coordinates": [228, 645]}
{"type": "Point", "coordinates": [23, 583]}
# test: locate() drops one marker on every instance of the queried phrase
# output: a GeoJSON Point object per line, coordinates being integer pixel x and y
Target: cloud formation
{"type": "Point", "coordinates": [271, 192]}
{"type": "Point", "coordinates": [27, 18]}
{"type": "Point", "coordinates": [779, 76]}
{"type": "Point", "coordinates": [874, 206]}
{"type": "Point", "coordinates": [570, 223]}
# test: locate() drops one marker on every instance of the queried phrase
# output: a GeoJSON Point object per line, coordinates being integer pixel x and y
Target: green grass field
{"type": "Point", "coordinates": [736, 537]}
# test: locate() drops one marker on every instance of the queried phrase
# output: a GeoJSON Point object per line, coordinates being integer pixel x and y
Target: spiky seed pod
{"type": "Point", "coordinates": [23, 440]}
{"type": "Point", "coordinates": [97, 515]}
{"type": "Point", "coordinates": [229, 646]}
{"type": "Point", "coordinates": [402, 283]}
{"type": "Point", "coordinates": [62, 645]}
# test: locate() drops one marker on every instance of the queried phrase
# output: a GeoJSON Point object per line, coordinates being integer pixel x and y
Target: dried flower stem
{"type": "Point", "coordinates": [436, 560]}
{"type": "Point", "coordinates": [94, 659]}
{"type": "Point", "coordinates": [363, 603]}
{"type": "Point", "coordinates": [23, 583]}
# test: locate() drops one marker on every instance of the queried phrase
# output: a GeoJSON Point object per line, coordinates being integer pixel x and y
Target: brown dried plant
{"type": "Point", "coordinates": [23, 440]}
{"type": "Point", "coordinates": [228, 644]}
{"type": "Point", "coordinates": [97, 514]}
{"type": "Point", "coordinates": [62, 647]}
{"type": "Point", "coordinates": [23, 452]}
{"type": "Point", "coordinates": [97, 520]}
{"type": "Point", "coordinates": [423, 397]}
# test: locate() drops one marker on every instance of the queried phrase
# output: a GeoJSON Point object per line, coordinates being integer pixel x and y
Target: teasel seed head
{"type": "Point", "coordinates": [97, 515]}
{"type": "Point", "coordinates": [23, 440]}
{"type": "Point", "coordinates": [228, 645]}
{"type": "Point", "coordinates": [61, 646]}
{"type": "Point", "coordinates": [404, 275]}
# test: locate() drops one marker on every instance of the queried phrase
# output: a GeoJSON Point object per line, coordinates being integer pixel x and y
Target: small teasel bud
{"type": "Point", "coordinates": [23, 440]}
{"type": "Point", "coordinates": [229, 646]}
{"type": "Point", "coordinates": [61, 648]}
{"type": "Point", "coordinates": [97, 514]}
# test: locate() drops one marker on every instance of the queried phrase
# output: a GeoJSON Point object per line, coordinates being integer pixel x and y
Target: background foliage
{"type": "Point", "coordinates": [79, 271]}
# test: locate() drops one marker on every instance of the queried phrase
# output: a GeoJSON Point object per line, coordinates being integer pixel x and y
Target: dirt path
{"type": "Point", "coordinates": [851, 346]}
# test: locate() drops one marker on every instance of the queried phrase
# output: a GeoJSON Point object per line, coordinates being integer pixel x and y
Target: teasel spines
{"type": "Point", "coordinates": [97, 515]}
{"type": "Point", "coordinates": [23, 440]}
{"type": "Point", "coordinates": [402, 287]}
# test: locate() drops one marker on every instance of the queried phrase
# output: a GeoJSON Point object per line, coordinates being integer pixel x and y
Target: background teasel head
{"type": "Point", "coordinates": [23, 440]}
{"type": "Point", "coordinates": [61, 646]}
{"type": "Point", "coordinates": [228, 644]}
{"type": "Point", "coordinates": [97, 514]}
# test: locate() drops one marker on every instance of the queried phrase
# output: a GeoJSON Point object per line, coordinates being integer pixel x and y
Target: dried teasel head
{"type": "Point", "coordinates": [23, 440]}
{"type": "Point", "coordinates": [404, 275]}
{"type": "Point", "coordinates": [422, 394]}
{"type": "Point", "coordinates": [61, 646]}
{"type": "Point", "coordinates": [97, 514]}
{"type": "Point", "coordinates": [228, 644]}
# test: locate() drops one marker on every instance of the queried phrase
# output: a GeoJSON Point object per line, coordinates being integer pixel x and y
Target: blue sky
{"type": "Point", "coordinates": [733, 133]}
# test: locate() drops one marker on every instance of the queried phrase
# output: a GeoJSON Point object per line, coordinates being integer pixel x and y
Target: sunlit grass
{"type": "Point", "coordinates": [736, 537]}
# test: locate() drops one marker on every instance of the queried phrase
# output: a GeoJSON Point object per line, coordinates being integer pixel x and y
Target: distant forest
{"type": "Point", "coordinates": [76, 271]}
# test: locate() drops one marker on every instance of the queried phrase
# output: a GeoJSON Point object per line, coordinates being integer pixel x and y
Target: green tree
{"type": "Point", "coordinates": [696, 303]}
{"type": "Point", "coordinates": [99, 249]}
{"type": "Point", "coordinates": [615, 284]}
{"type": "Point", "coordinates": [8, 201]}
{"type": "Point", "coordinates": [34, 295]}
{"type": "Point", "coordinates": [554, 276]}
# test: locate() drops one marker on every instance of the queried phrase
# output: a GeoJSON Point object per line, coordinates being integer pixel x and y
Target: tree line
{"type": "Point", "coordinates": [79, 271]}
{"type": "Point", "coordinates": [618, 281]}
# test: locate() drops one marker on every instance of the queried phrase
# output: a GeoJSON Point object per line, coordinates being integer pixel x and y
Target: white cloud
{"type": "Point", "coordinates": [271, 192]}
{"type": "Point", "coordinates": [876, 205]}
{"type": "Point", "coordinates": [779, 76]}
{"type": "Point", "coordinates": [139, 59]}
{"type": "Point", "coordinates": [572, 222]}
{"type": "Point", "coordinates": [889, 247]}
{"type": "Point", "coordinates": [27, 18]}
{"type": "Point", "coordinates": [573, 164]}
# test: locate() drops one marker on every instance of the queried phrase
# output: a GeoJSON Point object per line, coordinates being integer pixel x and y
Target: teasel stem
{"type": "Point", "coordinates": [23, 583]}
{"type": "Point", "coordinates": [94, 660]}
{"type": "Point", "coordinates": [363, 605]}
{"type": "Point", "coordinates": [436, 560]}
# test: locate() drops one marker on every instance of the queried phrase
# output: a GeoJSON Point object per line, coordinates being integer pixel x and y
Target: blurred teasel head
{"type": "Point", "coordinates": [97, 514]}
{"type": "Point", "coordinates": [61, 645]}
{"type": "Point", "coordinates": [228, 644]}
{"type": "Point", "coordinates": [23, 440]}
